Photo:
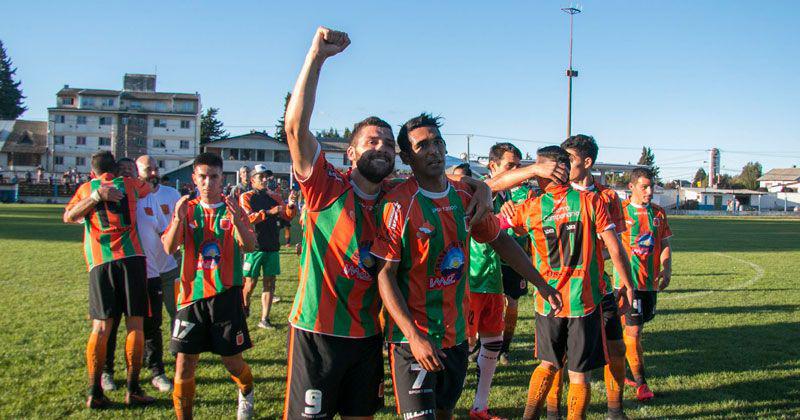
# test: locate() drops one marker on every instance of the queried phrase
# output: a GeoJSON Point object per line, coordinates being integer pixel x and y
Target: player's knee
{"type": "Point", "coordinates": [102, 327]}
{"type": "Point", "coordinates": [578, 377]}
{"type": "Point", "coordinates": [234, 364]}
{"type": "Point", "coordinates": [512, 303]}
{"type": "Point", "coordinates": [616, 348]}
{"type": "Point", "coordinates": [133, 323]}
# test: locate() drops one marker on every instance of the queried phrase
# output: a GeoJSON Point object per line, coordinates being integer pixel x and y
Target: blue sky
{"type": "Point", "coordinates": [678, 76]}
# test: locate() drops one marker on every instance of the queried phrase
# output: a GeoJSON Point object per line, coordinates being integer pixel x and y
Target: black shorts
{"type": "Point", "coordinates": [420, 393]}
{"type": "Point", "coordinates": [216, 324]}
{"type": "Point", "coordinates": [283, 223]}
{"type": "Point", "coordinates": [611, 320]}
{"type": "Point", "coordinates": [579, 339]}
{"type": "Point", "coordinates": [331, 375]}
{"type": "Point", "coordinates": [514, 286]}
{"type": "Point", "coordinates": [643, 307]}
{"type": "Point", "coordinates": [119, 287]}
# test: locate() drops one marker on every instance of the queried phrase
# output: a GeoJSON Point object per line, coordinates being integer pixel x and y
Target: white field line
{"type": "Point", "coordinates": [757, 275]}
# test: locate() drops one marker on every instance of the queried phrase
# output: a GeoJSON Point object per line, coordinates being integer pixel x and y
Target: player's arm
{"type": "Point", "coordinates": [290, 210]}
{"type": "Point", "coordinates": [78, 210]}
{"type": "Point", "coordinates": [509, 250]}
{"type": "Point", "coordinates": [510, 179]}
{"type": "Point", "coordinates": [428, 356]}
{"type": "Point", "coordinates": [172, 238]}
{"type": "Point", "coordinates": [243, 230]}
{"type": "Point", "coordinates": [621, 265]}
{"type": "Point", "coordinates": [480, 204]}
{"type": "Point", "coordinates": [302, 143]}
{"type": "Point", "coordinates": [253, 216]}
{"type": "Point", "coordinates": [665, 275]}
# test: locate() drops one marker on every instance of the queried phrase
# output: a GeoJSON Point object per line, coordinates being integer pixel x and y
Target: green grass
{"type": "Point", "coordinates": [725, 343]}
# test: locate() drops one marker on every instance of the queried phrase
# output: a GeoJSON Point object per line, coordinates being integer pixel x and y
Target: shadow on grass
{"type": "Point", "coordinates": [727, 310]}
{"type": "Point", "coordinates": [703, 234]}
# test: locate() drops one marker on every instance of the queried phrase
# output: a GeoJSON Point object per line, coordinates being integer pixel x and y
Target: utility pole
{"type": "Point", "coordinates": [469, 137]}
{"type": "Point", "coordinates": [572, 11]}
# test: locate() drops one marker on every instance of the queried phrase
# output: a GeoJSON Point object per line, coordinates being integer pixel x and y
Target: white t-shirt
{"type": "Point", "coordinates": [153, 215]}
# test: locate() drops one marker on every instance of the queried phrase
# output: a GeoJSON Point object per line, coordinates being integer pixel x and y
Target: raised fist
{"type": "Point", "coordinates": [328, 42]}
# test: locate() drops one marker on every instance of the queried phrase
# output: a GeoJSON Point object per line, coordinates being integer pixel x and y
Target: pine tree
{"type": "Point", "coordinates": [649, 159]}
{"type": "Point", "coordinates": [700, 178]}
{"type": "Point", "coordinates": [749, 176]}
{"type": "Point", "coordinates": [11, 106]}
{"type": "Point", "coordinates": [280, 127]}
{"type": "Point", "coordinates": [211, 127]}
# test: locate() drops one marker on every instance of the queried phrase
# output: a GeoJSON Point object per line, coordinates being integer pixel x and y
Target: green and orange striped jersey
{"type": "Point", "coordinates": [110, 228]}
{"type": "Point", "coordinates": [485, 274]}
{"type": "Point", "coordinates": [426, 233]}
{"type": "Point", "coordinates": [337, 293]}
{"type": "Point", "coordinates": [647, 229]}
{"type": "Point", "coordinates": [212, 260]}
{"type": "Point", "coordinates": [563, 225]}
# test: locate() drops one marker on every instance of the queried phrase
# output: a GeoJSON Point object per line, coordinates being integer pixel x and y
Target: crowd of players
{"type": "Point", "coordinates": [429, 268]}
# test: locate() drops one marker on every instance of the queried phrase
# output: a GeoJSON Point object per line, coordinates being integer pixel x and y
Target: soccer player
{"type": "Point", "coordinates": [214, 231]}
{"type": "Point", "coordinates": [647, 243]}
{"type": "Point", "coordinates": [265, 209]}
{"type": "Point", "coordinates": [117, 271]}
{"type": "Point", "coordinates": [564, 225]}
{"type": "Point", "coordinates": [423, 243]}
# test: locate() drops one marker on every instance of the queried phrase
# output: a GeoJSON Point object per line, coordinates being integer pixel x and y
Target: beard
{"type": "Point", "coordinates": [153, 180]}
{"type": "Point", "coordinates": [373, 172]}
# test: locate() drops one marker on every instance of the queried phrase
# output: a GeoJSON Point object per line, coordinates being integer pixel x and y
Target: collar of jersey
{"type": "Point", "coordinates": [108, 176]}
{"type": "Point", "coordinates": [211, 206]}
{"type": "Point", "coordinates": [639, 206]}
{"type": "Point", "coordinates": [581, 187]}
{"type": "Point", "coordinates": [435, 195]}
{"type": "Point", "coordinates": [359, 192]}
{"type": "Point", "coordinates": [556, 189]}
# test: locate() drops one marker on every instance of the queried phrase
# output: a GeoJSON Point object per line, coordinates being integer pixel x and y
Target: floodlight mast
{"type": "Point", "coordinates": [572, 11]}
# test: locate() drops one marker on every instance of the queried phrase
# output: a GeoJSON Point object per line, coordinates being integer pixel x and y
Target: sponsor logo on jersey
{"type": "Point", "coordinates": [393, 218]}
{"type": "Point", "coordinates": [644, 244]}
{"type": "Point", "coordinates": [449, 267]}
{"type": "Point", "coordinates": [209, 255]}
{"type": "Point", "coordinates": [362, 265]}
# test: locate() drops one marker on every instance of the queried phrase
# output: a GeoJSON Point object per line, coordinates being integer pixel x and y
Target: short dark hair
{"type": "Point", "coordinates": [421, 120]}
{"type": "Point", "coordinates": [125, 159]}
{"type": "Point", "coordinates": [269, 173]}
{"type": "Point", "coordinates": [366, 122]}
{"type": "Point", "coordinates": [103, 162]}
{"type": "Point", "coordinates": [556, 154]}
{"type": "Point", "coordinates": [499, 149]}
{"type": "Point", "coordinates": [642, 171]}
{"type": "Point", "coordinates": [209, 159]}
{"type": "Point", "coordinates": [585, 145]}
{"type": "Point", "coordinates": [164, 178]}
{"type": "Point", "coordinates": [464, 167]}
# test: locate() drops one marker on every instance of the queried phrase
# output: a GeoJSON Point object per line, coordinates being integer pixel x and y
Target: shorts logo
{"type": "Point", "coordinates": [656, 221]}
{"type": "Point", "coordinates": [246, 266]}
{"type": "Point", "coordinates": [644, 244]}
{"type": "Point", "coordinates": [449, 267]}
{"type": "Point", "coordinates": [209, 256]}
{"type": "Point", "coordinates": [417, 414]}
{"type": "Point", "coordinates": [225, 224]}
{"type": "Point", "coordinates": [148, 211]}
{"type": "Point", "coordinates": [239, 338]}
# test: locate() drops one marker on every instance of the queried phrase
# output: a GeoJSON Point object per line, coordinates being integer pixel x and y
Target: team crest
{"type": "Point", "coordinates": [164, 209]}
{"type": "Point", "coordinates": [225, 224]}
{"type": "Point", "coordinates": [209, 255]}
{"type": "Point", "coordinates": [148, 211]}
{"type": "Point", "coordinates": [426, 231]}
{"type": "Point", "coordinates": [239, 338]}
{"type": "Point", "coordinates": [644, 244]}
{"type": "Point", "coordinates": [656, 221]}
{"type": "Point", "coordinates": [449, 267]}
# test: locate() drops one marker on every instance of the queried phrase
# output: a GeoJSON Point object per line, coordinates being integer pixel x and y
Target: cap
{"type": "Point", "coordinates": [259, 169]}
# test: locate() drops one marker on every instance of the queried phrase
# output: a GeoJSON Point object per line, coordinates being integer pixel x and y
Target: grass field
{"type": "Point", "coordinates": [725, 343]}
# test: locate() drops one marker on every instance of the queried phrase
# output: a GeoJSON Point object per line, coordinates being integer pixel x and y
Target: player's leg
{"type": "Point", "coordinates": [189, 337]}
{"type": "Point", "coordinates": [642, 310]}
{"type": "Point", "coordinates": [287, 234]}
{"type": "Point", "coordinates": [314, 375]}
{"type": "Point", "coordinates": [183, 394]}
{"type": "Point", "coordinates": [103, 308]}
{"type": "Point", "coordinates": [514, 287]}
{"type": "Point", "coordinates": [489, 314]}
{"type": "Point", "coordinates": [153, 343]}
{"type": "Point", "coordinates": [362, 382]}
{"type": "Point", "coordinates": [554, 395]}
{"type": "Point", "coordinates": [229, 338]}
{"type": "Point", "coordinates": [614, 371]}
{"type": "Point", "coordinates": [414, 387]}
{"type": "Point", "coordinates": [131, 277]}
{"type": "Point", "coordinates": [450, 381]}
{"type": "Point", "coordinates": [551, 347]}
{"type": "Point", "coordinates": [107, 379]}
{"type": "Point", "coordinates": [134, 349]}
{"type": "Point", "coordinates": [271, 267]}
{"type": "Point", "coordinates": [585, 352]}
{"type": "Point", "coordinates": [250, 270]}
{"type": "Point", "coordinates": [243, 378]}
{"type": "Point", "coordinates": [168, 281]}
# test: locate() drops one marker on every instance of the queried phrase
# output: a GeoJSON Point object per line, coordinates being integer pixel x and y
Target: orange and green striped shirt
{"type": "Point", "coordinates": [647, 229]}
{"type": "Point", "coordinates": [110, 228]}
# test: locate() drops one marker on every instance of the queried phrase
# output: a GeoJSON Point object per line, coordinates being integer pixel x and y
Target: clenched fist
{"type": "Point", "coordinates": [328, 42]}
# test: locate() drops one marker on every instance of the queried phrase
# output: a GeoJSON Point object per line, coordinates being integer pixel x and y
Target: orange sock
{"type": "Point", "coordinates": [633, 352]}
{"type": "Point", "coordinates": [578, 398]}
{"type": "Point", "coordinates": [95, 358]}
{"type": "Point", "coordinates": [554, 396]}
{"type": "Point", "coordinates": [134, 350]}
{"type": "Point", "coordinates": [183, 397]}
{"type": "Point", "coordinates": [244, 380]}
{"type": "Point", "coordinates": [614, 375]}
{"type": "Point", "coordinates": [541, 379]}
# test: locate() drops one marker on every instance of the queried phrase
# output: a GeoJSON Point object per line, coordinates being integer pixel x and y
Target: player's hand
{"type": "Point", "coordinates": [292, 202]}
{"type": "Point", "coordinates": [234, 208]}
{"type": "Point", "coordinates": [551, 170]}
{"type": "Point", "coordinates": [480, 205]}
{"type": "Point", "coordinates": [328, 42]}
{"type": "Point", "coordinates": [109, 193]}
{"type": "Point", "coordinates": [275, 210]}
{"type": "Point", "coordinates": [508, 210]}
{"type": "Point", "coordinates": [624, 299]}
{"type": "Point", "coordinates": [552, 296]}
{"type": "Point", "coordinates": [428, 356]}
{"type": "Point", "coordinates": [663, 279]}
{"type": "Point", "coordinates": [181, 208]}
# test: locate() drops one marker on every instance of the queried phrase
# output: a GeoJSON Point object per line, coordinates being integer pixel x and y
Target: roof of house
{"type": "Point", "coordinates": [252, 134]}
{"type": "Point", "coordinates": [23, 136]}
{"type": "Point", "coordinates": [781, 174]}
{"type": "Point", "coordinates": [128, 94]}
{"type": "Point", "coordinates": [724, 191]}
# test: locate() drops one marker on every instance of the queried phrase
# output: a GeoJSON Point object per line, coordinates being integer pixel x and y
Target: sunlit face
{"type": "Point", "coordinates": [459, 172]}
{"type": "Point", "coordinates": [642, 190]}
{"type": "Point", "coordinates": [208, 180]}
{"type": "Point", "coordinates": [508, 162]}
{"type": "Point", "coordinates": [243, 174]}
{"type": "Point", "coordinates": [127, 168]}
{"type": "Point", "coordinates": [578, 166]}
{"type": "Point", "coordinates": [148, 171]}
{"type": "Point", "coordinates": [373, 152]}
{"type": "Point", "coordinates": [428, 151]}
{"type": "Point", "coordinates": [259, 181]}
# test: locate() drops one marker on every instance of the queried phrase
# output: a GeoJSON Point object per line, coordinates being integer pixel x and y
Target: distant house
{"type": "Point", "coordinates": [23, 144]}
{"type": "Point", "coordinates": [784, 179]}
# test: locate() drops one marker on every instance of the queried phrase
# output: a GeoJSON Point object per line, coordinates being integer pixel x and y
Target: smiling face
{"type": "Point", "coordinates": [427, 152]}
{"type": "Point", "coordinates": [373, 152]}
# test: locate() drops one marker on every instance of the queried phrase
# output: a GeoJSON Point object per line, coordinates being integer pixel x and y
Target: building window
{"type": "Point", "coordinates": [105, 120]}
{"type": "Point", "coordinates": [159, 123]}
{"type": "Point", "coordinates": [105, 141]}
{"type": "Point", "coordinates": [135, 105]}
{"type": "Point", "coordinates": [184, 144]}
{"type": "Point", "coordinates": [58, 139]}
{"type": "Point", "coordinates": [260, 155]}
{"type": "Point", "coordinates": [233, 154]}
{"type": "Point", "coordinates": [161, 164]}
{"type": "Point", "coordinates": [184, 106]}
{"type": "Point", "coordinates": [282, 156]}
{"type": "Point", "coordinates": [67, 101]}
{"type": "Point", "coordinates": [87, 102]}
{"type": "Point", "coordinates": [60, 119]}
{"type": "Point", "coordinates": [244, 154]}
{"type": "Point", "coordinates": [184, 123]}
{"type": "Point", "coordinates": [80, 161]}
{"type": "Point", "coordinates": [81, 119]}
{"type": "Point", "coordinates": [108, 102]}
{"type": "Point", "coordinates": [58, 160]}
{"type": "Point", "coordinates": [80, 141]}
{"type": "Point", "coordinates": [140, 142]}
{"type": "Point", "coordinates": [160, 143]}
{"type": "Point", "coordinates": [161, 107]}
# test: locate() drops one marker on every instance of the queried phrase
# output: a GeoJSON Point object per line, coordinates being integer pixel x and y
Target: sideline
{"type": "Point", "coordinates": [759, 273]}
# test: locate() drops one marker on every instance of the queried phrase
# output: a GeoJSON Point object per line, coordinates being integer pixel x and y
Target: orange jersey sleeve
{"type": "Point", "coordinates": [252, 216]}
{"type": "Point", "coordinates": [389, 241]}
{"type": "Point", "coordinates": [82, 192]}
{"type": "Point", "coordinates": [324, 185]}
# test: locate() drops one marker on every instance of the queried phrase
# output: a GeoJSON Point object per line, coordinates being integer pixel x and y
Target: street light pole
{"type": "Point", "coordinates": [572, 11]}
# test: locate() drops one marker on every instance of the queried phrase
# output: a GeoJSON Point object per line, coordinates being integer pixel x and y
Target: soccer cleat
{"type": "Point", "coordinates": [265, 324]}
{"type": "Point", "coordinates": [630, 382]}
{"type": "Point", "coordinates": [161, 383]}
{"type": "Point", "coordinates": [643, 393]}
{"type": "Point", "coordinates": [616, 416]}
{"type": "Point", "coordinates": [276, 299]}
{"type": "Point", "coordinates": [483, 415]}
{"type": "Point", "coordinates": [107, 382]}
{"type": "Point", "coordinates": [98, 403]}
{"type": "Point", "coordinates": [245, 410]}
{"type": "Point", "coordinates": [503, 359]}
{"type": "Point", "coordinates": [138, 398]}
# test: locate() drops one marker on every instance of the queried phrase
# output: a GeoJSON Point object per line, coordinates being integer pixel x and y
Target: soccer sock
{"type": "Point", "coordinates": [183, 397]}
{"type": "Point", "coordinates": [511, 325]}
{"type": "Point", "coordinates": [554, 395]}
{"type": "Point", "coordinates": [244, 380]}
{"type": "Point", "coordinates": [95, 358]}
{"type": "Point", "coordinates": [134, 349]}
{"type": "Point", "coordinates": [487, 363]}
{"type": "Point", "coordinates": [614, 375]}
{"type": "Point", "coordinates": [633, 352]}
{"type": "Point", "coordinates": [578, 398]}
{"type": "Point", "coordinates": [541, 379]}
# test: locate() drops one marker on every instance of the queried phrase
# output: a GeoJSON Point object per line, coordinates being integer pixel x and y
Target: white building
{"type": "Point", "coordinates": [777, 180]}
{"type": "Point", "coordinates": [23, 145]}
{"type": "Point", "coordinates": [134, 121]}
